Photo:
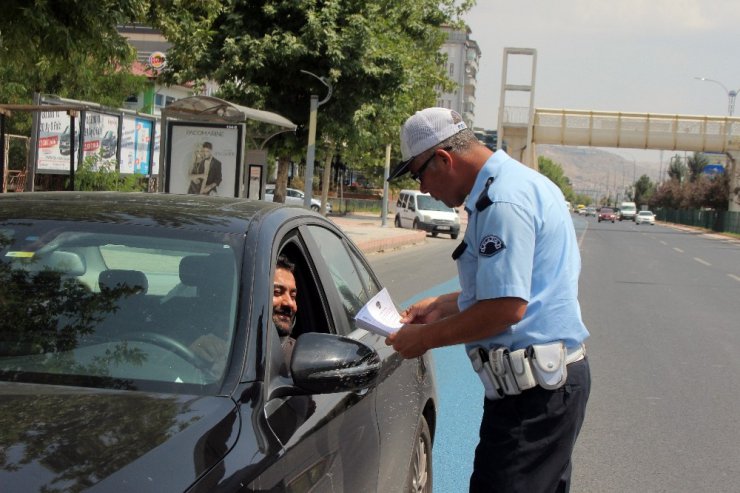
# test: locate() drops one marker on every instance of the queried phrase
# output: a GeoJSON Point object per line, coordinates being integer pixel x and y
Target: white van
{"type": "Point", "coordinates": [418, 210]}
{"type": "Point", "coordinates": [627, 210]}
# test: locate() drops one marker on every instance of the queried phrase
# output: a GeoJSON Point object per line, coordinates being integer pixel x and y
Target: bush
{"type": "Point", "coordinates": [95, 174]}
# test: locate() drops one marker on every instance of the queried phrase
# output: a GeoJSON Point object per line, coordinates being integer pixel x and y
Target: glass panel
{"type": "Point", "coordinates": [119, 309]}
{"type": "Point", "coordinates": [344, 272]}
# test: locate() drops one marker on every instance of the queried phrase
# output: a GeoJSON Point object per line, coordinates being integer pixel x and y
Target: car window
{"type": "Point", "coordinates": [428, 203]}
{"type": "Point", "coordinates": [103, 309]}
{"type": "Point", "coordinates": [353, 281]}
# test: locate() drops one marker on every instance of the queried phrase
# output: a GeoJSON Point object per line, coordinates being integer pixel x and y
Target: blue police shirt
{"type": "Point", "coordinates": [522, 245]}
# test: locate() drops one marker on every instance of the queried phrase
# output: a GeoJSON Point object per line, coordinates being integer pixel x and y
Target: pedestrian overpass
{"type": "Point", "coordinates": [524, 127]}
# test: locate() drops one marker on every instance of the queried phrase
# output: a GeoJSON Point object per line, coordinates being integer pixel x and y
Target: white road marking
{"type": "Point", "coordinates": [702, 261]}
{"type": "Point", "coordinates": [663, 242]}
{"type": "Point", "coordinates": [737, 278]}
{"type": "Point", "coordinates": [678, 250]}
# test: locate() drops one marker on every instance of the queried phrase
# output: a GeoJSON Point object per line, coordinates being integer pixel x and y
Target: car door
{"type": "Point", "coordinates": [330, 441]}
{"type": "Point", "coordinates": [396, 397]}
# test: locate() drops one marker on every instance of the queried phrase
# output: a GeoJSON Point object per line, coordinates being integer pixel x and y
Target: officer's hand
{"type": "Point", "coordinates": [408, 341]}
{"type": "Point", "coordinates": [422, 312]}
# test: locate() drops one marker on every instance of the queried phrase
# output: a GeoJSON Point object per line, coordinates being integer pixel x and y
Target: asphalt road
{"type": "Point", "coordinates": [663, 308]}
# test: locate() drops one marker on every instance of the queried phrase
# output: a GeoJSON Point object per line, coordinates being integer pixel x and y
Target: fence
{"type": "Point", "coordinates": [721, 221]}
{"type": "Point", "coordinates": [350, 206]}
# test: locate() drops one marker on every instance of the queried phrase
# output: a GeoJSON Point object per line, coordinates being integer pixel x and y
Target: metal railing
{"type": "Point", "coordinates": [720, 221]}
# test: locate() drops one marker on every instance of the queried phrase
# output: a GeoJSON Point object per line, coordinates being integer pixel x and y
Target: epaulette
{"type": "Point", "coordinates": [483, 199]}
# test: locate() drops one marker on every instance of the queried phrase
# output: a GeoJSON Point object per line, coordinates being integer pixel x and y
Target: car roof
{"type": "Point", "coordinates": [190, 212]}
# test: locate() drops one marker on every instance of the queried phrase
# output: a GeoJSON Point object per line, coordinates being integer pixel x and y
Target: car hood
{"type": "Point", "coordinates": [56, 438]}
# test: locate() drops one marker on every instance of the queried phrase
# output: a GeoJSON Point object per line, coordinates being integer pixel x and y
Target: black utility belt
{"type": "Point", "coordinates": [505, 372]}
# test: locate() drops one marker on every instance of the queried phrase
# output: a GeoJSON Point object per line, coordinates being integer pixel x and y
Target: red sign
{"type": "Point", "coordinates": [91, 145]}
{"type": "Point", "coordinates": [51, 141]}
{"type": "Point", "coordinates": [157, 60]}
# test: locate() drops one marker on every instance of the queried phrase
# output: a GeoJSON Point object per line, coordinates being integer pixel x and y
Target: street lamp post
{"type": "Point", "coordinates": [731, 94]}
{"type": "Point", "coordinates": [311, 151]}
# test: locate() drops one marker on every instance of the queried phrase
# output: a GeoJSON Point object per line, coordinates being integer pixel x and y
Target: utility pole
{"type": "Point", "coordinates": [311, 151]}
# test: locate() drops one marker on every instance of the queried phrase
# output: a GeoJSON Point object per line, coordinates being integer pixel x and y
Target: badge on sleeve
{"type": "Point", "coordinates": [491, 245]}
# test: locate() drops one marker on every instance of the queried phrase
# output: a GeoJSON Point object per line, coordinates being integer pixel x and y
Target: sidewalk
{"type": "Point", "coordinates": [367, 232]}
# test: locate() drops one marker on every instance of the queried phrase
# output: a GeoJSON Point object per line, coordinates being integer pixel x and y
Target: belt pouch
{"type": "Point", "coordinates": [483, 369]}
{"type": "Point", "coordinates": [548, 364]}
{"type": "Point", "coordinates": [499, 358]}
{"type": "Point", "coordinates": [521, 369]}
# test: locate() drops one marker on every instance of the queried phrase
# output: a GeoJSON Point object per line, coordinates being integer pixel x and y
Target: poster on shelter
{"type": "Point", "coordinates": [100, 137]}
{"type": "Point", "coordinates": [203, 159]}
{"type": "Point", "coordinates": [53, 145]}
{"type": "Point", "coordinates": [135, 145]}
{"type": "Point", "coordinates": [155, 157]}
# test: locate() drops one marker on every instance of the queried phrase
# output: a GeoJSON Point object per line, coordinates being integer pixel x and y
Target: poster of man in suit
{"type": "Point", "coordinates": [205, 173]}
{"type": "Point", "coordinates": [203, 159]}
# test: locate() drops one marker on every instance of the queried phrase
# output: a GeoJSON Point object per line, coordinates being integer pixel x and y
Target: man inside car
{"type": "Point", "coordinates": [213, 349]}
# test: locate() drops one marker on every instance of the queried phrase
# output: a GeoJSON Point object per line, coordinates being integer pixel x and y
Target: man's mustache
{"type": "Point", "coordinates": [283, 310]}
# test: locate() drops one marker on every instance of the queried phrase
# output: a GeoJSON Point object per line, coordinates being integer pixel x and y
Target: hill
{"type": "Point", "coordinates": [595, 170]}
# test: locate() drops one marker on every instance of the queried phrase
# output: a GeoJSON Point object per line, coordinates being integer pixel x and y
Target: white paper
{"type": "Point", "coordinates": [379, 315]}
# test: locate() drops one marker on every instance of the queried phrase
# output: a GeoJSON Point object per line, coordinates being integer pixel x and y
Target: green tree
{"type": "Point", "coordinates": [380, 56]}
{"type": "Point", "coordinates": [696, 165]}
{"type": "Point", "coordinates": [69, 48]}
{"type": "Point", "coordinates": [643, 190]}
{"type": "Point", "coordinates": [555, 173]}
{"type": "Point", "coordinates": [677, 169]}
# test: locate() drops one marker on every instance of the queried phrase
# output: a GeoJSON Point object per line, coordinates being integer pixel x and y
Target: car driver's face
{"type": "Point", "coordinates": [284, 306]}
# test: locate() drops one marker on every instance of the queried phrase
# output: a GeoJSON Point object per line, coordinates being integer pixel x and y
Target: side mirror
{"type": "Point", "coordinates": [328, 363]}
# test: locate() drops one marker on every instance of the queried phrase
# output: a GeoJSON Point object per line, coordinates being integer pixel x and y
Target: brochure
{"type": "Point", "coordinates": [379, 315]}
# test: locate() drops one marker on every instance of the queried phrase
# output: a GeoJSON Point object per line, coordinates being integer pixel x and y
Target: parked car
{"type": "Point", "coordinates": [102, 297]}
{"type": "Point", "coordinates": [590, 211]}
{"type": "Point", "coordinates": [295, 197]}
{"type": "Point", "coordinates": [418, 210]}
{"type": "Point", "coordinates": [607, 214]}
{"type": "Point", "coordinates": [645, 217]}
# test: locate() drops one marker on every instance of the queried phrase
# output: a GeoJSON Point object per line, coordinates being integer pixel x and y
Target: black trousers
{"type": "Point", "coordinates": [526, 440]}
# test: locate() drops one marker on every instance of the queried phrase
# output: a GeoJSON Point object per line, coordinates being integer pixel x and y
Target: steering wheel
{"type": "Point", "coordinates": [169, 343]}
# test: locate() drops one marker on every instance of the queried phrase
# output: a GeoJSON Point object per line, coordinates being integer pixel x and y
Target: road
{"type": "Point", "coordinates": [663, 308]}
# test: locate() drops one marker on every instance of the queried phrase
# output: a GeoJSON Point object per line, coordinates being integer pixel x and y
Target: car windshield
{"type": "Point", "coordinates": [606, 211]}
{"type": "Point", "coordinates": [428, 203]}
{"type": "Point", "coordinates": [85, 304]}
{"type": "Point", "coordinates": [645, 213]}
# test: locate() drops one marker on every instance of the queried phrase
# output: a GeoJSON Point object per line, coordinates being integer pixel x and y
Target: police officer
{"type": "Point", "coordinates": [518, 267]}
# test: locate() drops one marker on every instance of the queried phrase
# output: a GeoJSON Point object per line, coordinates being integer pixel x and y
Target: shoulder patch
{"type": "Point", "coordinates": [491, 245]}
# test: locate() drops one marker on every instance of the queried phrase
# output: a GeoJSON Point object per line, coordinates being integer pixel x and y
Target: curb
{"type": "Point", "coordinates": [381, 245]}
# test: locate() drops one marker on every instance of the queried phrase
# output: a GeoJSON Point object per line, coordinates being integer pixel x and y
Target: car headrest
{"type": "Point", "coordinates": [116, 278]}
{"type": "Point", "coordinates": [207, 270]}
{"type": "Point", "coordinates": [68, 263]}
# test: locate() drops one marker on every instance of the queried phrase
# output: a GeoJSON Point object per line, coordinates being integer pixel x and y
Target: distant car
{"type": "Point", "coordinates": [607, 214]}
{"type": "Point", "coordinates": [295, 197]}
{"type": "Point", "coordinates": [645, 217]}
{"type": "Point", "coordinates": [590, 211]}
{"type": "Point", "coordinates": [104, 297]}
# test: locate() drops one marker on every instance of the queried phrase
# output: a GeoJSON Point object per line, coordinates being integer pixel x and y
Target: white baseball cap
{"type": "Point", "coordinates": [424, 130]}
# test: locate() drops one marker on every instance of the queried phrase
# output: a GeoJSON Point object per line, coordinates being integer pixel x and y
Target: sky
{"type": "Point", "coordinates": [627, 55]}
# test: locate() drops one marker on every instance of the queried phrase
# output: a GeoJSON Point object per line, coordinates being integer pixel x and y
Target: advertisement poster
{"type": "Point", "coordinates": [155, 158]}
{"type": "Point", "coordinates": [203, 159]}
{"type": "Point", "coordinates": [53, 143]}
{"type": "Point", "coordinates": [135, 154]}
{"type": "Point", "coordinates": [100, 136]}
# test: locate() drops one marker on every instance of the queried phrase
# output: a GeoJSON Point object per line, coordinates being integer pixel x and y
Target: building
{"type": "Point", "coordinates": [151, 48]}
{"type": "Point", "coordinates": [463, 55]}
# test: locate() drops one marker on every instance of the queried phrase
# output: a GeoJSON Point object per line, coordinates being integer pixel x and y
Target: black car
{"type": "Point", "coordinates": [101, 298]}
